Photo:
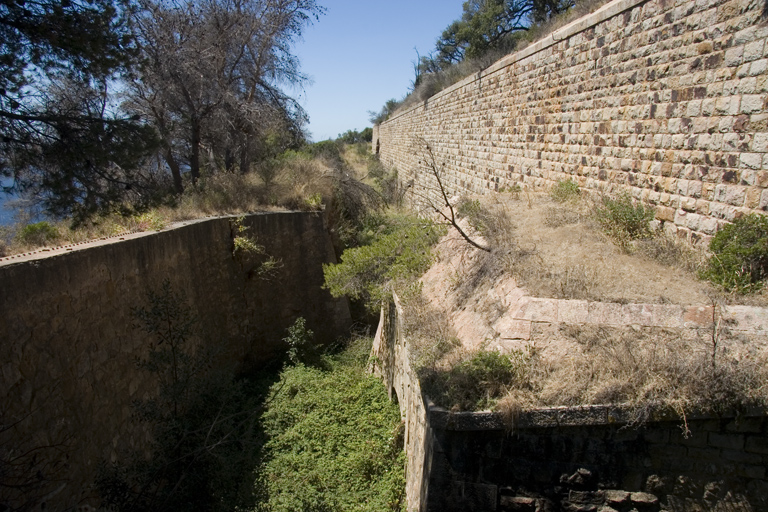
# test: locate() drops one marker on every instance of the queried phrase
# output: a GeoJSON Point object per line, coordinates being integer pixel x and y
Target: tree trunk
{"type": "Point", "coordinates": [178, 186]}
{"type": "Point", "coordinates": [194, 157]}
{"type": "Point", "coordinates": [245, 155]}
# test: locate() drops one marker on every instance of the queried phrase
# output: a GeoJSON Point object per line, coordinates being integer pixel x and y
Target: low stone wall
{"type": "Point", "coordinates": [574, 459]}
{"type": "Point", "coordinates": [665, 99]}
{"type": "Point", "coordinates": [588, 458]}
{"type": "Point", "coordinates": [69, 344]}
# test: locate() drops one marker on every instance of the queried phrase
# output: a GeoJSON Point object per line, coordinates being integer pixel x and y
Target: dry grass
{"type": "Point", "coordinates": [649, 370]}
{"type": "Point", "coordinates": [558, 250]}
{"type": "Point", "coordinates": [299, 184]}
{"type": "Point", "coordinates": [429, 334]}
{"type": "Point", "coordinates": [645, 370]}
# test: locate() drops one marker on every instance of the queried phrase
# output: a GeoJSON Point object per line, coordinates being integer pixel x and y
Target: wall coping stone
{"type": "Point", "coordinates": [605, 12]}
{"type": "Point", "coordinates": [564, 416]}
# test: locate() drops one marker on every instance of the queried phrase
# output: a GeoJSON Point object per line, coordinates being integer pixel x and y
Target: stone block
{"type": "Point", "coordinates": [573, 311]}
{"type": "Point", "coordinates": [667, 316]}
{"type": "Point", "coordinates": [514, 329]}
{"type": "Point", "coordinates": [697, 316]}
{"type": "Point", "coordinates": [757, 444]}
{"type": "Point", "coordinates": [728, 441]}
{"type": "Point", "coordinates": [644, 499]}
{"type": "Point", "coordinates": [606, 313]}
{"type": "Point", "coordinates": [746, 318]}
{"type": "Point", "coordinates": [616, 498]}
{"type": "Point", "coordinates": [537, 310]}
{"type": "Point", "coordinates": [518, 504]}
{"type": "Point", "coordinates": [742, 457]}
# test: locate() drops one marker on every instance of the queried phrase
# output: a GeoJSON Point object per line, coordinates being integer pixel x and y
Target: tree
{"type": "Point", "coordinates": [487, 25]}
{"type": "Point", "coordinates": [435, 197]}
{"type": "Point", "coordinates": [211, 77]}
{"type": "Point", "coordinates": [387, 110]}
{"type": "Point", "coordinates": [63, 138]}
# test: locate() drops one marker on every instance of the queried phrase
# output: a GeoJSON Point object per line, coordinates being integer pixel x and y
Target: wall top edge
{"type": "Point", "coordinates": [552, 417]}
{"type": "Point", "coordinates": [49, 252]}
{"type": "Point", "coordinates": [588, 21]}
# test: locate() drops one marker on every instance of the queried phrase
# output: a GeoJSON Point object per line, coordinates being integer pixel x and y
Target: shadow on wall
{"type": "Point", "coordinates": [69, 375]}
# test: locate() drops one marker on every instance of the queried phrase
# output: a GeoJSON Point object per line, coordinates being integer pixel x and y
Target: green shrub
{"type": "Point", "coordinates": [623, 219]}
{"type": "Point", "coordinates": [739, 259]}
{"type": "Point", "coordinates": [335, 440]}
{"type": "Point", "coordinates": [565, 190]}
{"type": "Point", "coordinates": [399, 252]}
{"type": "Point", "coordinates": [37, 234]}
{"type": "Point", "coordinates": [299, 341]}
{"type": "Point", "coordinates": [477, 382]}
{"type": "Point", "coordinates": [328, 150]}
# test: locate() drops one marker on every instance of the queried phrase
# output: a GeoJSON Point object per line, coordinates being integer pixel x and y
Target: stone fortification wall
{"type": "Point", "coordinates": [584, 458]}
{"type": "Point", "coordinates": [69, 344]}
{"type": "Point", "coordinates": [391, 362]}
{"type": "Point", "coordinates": [663, 98]}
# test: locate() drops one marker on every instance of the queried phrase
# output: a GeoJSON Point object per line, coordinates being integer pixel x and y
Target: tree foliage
{"type": "Point", "coordinates": [210, 80]}
{"type": "Point", "coordinates": [399, 251]}
{"type": "Point", "coordinates": [200, 88]}
{"type": "Point", "coordinates": [739, 259]}
{"type": "Point", "coordinates": [487, 25]}
{"type": "Point", "coordinates": [63, 139]}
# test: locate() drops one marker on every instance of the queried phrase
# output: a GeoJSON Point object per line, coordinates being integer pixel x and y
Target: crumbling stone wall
{"type": "Point", "coordinates": [665, 99]}
{"type": "Point", "coordinates": [590, 458]}
{"type": "Point", "coordinates": [69, 347]}
{"type": "Point", "coordinates": [570, 459]}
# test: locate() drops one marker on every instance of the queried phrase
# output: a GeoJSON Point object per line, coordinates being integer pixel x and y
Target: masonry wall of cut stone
{"type": "Point", "coordinates": [572, 459]}
{"type": "Point", "coordinates": [665, 99]}
{"type": "Point", "coordinates": [69, 345]}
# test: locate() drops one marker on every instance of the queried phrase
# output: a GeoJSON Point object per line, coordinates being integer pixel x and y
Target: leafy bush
{"type": "Point", "coordinates": [335, 440]}
{"type": "Point", "coordinates": [623, 219]}
{"type": "Point", "coordinates": [300, 346]}
{"type": "Point", "coordinates": [37, 234]}
{"type": "Point", "coordinates": [399, 252]}
{"type": "Point", "coordinates": [739, 259]}
{"type": "Point", "coordinates": [565, 190]}
{"type": "Point", "coordinates": [477, 382]}
{"type": "Point", "coordinates": [328, 150]}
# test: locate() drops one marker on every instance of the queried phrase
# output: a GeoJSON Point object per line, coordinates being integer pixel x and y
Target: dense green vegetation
{"type": "Point", "coordinates": [324, 436]}
{"type": "Point", "coordinates": [395, 251]}
{"type": "Point", "coordinates": [335, 439]}
{"type": "Point", "coordinates": [739, 259]}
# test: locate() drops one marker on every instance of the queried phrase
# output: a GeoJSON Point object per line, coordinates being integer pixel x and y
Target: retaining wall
{"type": "Point", "coordinates": [665, 99]}
{"type": "Point", "coordinates": [70, 347]}
{"type": "Point", "coordinates": [570, 459]}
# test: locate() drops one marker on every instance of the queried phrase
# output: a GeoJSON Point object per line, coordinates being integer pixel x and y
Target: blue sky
{"type": "Point", "coordinates": [360, 54]}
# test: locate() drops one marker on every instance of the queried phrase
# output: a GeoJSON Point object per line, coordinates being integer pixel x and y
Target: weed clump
{"type": "Point", "coordinates": [623, 219]}
{"type": "Point", "coordinates": [739, 261]}
{"type": "Point", "coordinates": [37, 234]}
{"type": "Point", "coordinates": [565, 191]}
{"type": "Point", "coordinates": [477, 381]}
